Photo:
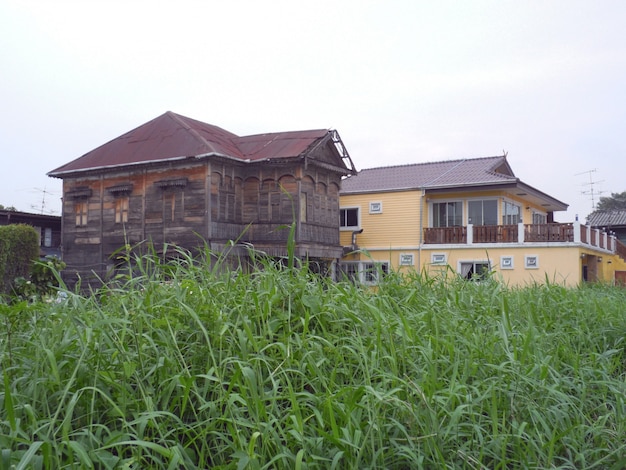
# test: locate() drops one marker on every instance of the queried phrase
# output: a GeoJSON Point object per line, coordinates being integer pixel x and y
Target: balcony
{"type": "Point", "coordinates": [521, 233]}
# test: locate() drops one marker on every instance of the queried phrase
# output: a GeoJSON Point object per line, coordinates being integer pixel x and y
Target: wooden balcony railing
{"type": "Point", "coordinates": [445, 235]}
{"type": "Point", "coordinates": [495, 234]}
{"type": "Point", "coordinates": [549, 232]}
{"type": "Point", "coordinates": [524, 233]}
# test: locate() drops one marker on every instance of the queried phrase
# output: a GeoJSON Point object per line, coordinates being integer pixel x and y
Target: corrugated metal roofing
{"type": "Point", "coordinates": [278, 145]}
{"type": "Point", "coordinates": [172, 136]}
{"type": "Point", "coordinates": [607, 218]}
{"type": "Point", "coordinates": [470, 171]}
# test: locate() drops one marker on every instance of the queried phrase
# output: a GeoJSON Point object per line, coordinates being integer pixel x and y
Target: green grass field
{"type": "Point", "coordinates": [192, 367]}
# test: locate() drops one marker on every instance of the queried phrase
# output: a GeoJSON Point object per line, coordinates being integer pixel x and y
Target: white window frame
{"type": "Point", "coordinates": [474, 263]}
{"type": "Point", "coordinates": [531, 261]}
{"type": "Point", "coordinates": [507, 262]}
{"type": "Point", "coordinates": [358, 217]}
{"type": "Point", "coordinates": [438, 258]}
{"type": "Point", "coordinates": [431, 211]}
{"type": "Point", "coordinates": [376, 207]}
{"type": "Point", "coordinates": [406, 259]}
{"type": "Point", "coordinates": [481, 199]}
{"type": "Point", "coordinates": [366, 272]}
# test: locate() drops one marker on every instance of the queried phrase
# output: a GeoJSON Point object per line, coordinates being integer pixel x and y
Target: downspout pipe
{"type": "Point", "coordinates": [354, 234]}
{"type": "Point", "coordinates": [421, 238]}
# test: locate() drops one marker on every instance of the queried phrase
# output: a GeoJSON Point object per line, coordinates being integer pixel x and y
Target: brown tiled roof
{"type": "Point", "coordinates": [610, 218]}
{"type": "Point", "coordinates": [172, 136]}
{"type": "Point", "coordinates": [469, 171]}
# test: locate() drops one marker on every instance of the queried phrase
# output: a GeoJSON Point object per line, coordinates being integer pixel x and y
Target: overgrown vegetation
{"type": "Point", "coordinates": [184, 366]}
{"type": "Point", "coordinates": [41, 283]}
{"type": "Point", "coordinates": [18, 249]}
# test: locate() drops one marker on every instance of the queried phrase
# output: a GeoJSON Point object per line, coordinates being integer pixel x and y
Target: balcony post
{"type": "Point", "coordinates": [470, 234]}
{"type": "Point", "coordinates": [520, 232]}
{"type": "Point", "coordinates": [576, 231]}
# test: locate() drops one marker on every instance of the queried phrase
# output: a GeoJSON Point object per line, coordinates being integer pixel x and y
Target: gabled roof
{"type": "Point", "coordinates": [609, 218]}
{"type": "Point", "coordinates": [474, 171]}
{"type": "Point", "coordinates": [446, 175]}
{"type": "Point", "coordinates": [174, 137]}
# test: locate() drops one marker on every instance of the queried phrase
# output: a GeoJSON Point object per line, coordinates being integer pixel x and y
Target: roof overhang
{"type": "Point", "coordinates": [515, 187]}
{"type": "Point", "coordinates": [131, 166]}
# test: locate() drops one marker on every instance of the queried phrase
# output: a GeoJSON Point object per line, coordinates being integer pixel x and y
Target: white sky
{"type": "Point", "coordinates": [403, 81]}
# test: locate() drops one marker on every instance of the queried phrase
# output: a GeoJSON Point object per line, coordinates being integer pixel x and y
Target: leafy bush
{"type": "Point", "coordinates": [43, 281]}
{"type": "Point", "coordinates": [18, 249]}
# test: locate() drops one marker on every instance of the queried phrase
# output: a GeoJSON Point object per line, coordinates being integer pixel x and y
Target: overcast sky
{"type": "Point", "coordinates": [403, 81]}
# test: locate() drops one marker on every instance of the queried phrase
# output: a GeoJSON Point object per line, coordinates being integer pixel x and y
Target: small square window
{"type": "Point", "coordinates": [531, 262]}
{"type": "Point", "coordinates": [376, 207]}
{"type": "Point", "coordinates": [438, 258]}
{"type": "Point", "coordinates": [407, 259]}
{"type": "Point", "coordinates": [506, 262]}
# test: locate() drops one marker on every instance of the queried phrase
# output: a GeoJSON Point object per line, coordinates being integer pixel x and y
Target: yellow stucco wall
{"type": "Point", "coordinates": [395, 235]}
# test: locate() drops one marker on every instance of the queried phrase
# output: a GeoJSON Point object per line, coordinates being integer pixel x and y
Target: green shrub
{"type": "Point", "coordinates": [18, 249]}
{"type": "Point", "coordinates": [42, 282]}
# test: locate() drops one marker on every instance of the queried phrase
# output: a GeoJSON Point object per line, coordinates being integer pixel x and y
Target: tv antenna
{"type": "Point", "coordinates": [592, 192]}
{"type": "Point", "coordinates": [42, 208]}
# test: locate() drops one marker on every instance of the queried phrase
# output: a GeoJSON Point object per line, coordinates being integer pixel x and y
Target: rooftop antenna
{"type": "Point", "coordinates": [592, 192]}
{"type": "Point", "coordinates": [42, 208]}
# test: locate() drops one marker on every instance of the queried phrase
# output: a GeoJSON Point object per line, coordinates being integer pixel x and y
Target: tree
{"type": "Point", "coordinates": [614, 202]}
{"type": "Point", "coordinates": [7, 208]}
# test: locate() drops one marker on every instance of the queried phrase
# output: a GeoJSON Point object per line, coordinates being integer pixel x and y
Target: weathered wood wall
{"type": "Point", "coordinates": [193, 203]}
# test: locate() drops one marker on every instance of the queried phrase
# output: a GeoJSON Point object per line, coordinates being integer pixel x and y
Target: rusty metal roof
{"type": "Point", "coordinates": [172, 136]}
{"type": "Point", "coordinates": [278, 145]}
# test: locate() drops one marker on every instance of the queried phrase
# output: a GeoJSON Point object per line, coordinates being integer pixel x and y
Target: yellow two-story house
{"type": "Point", "coordinates": [469, 217]}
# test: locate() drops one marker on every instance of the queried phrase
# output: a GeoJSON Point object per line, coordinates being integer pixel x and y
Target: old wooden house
{"type": "Point", "coordinates": [179, 181]}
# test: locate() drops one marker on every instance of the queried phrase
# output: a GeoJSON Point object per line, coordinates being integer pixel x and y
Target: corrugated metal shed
{"type": "Point", "coordinates": [172, 136]}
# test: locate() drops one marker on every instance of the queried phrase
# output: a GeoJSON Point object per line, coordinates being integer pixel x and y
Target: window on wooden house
{"type": "Point", "coordinates": [482, 212]}
{"type": "Point", "coordinates": [121, 210]}
{"type": "Point", "coordinates": [448, 214]}
{"type": "Point", "coordinates": [511, 213]}
{"type": "Point", "coordinates": [80, 210]}
{"type": "Point", "coordinates": [349, 218]}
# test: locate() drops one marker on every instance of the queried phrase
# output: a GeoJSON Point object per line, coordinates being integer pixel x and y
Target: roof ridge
{"type": "Point", "coordinates": [182, 120]}
{"type": "Point", "coordinates": [455, 160]}
{"type": "Point", "coordinates": [261, 134]}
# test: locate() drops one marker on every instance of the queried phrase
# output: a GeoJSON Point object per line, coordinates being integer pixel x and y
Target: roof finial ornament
{"type": "Point", "coordinates": [505, 153]}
